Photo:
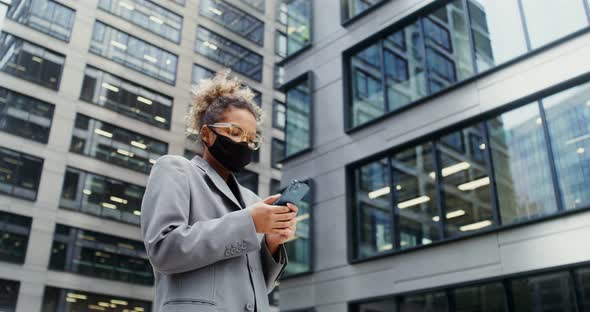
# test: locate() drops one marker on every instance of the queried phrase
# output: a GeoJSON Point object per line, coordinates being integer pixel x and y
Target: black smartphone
{"type": "Point", "coordinates": [293, 193]}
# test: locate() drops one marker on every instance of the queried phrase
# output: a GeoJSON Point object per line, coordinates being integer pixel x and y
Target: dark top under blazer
{"type": "Point", "coordinates": [202, 244]}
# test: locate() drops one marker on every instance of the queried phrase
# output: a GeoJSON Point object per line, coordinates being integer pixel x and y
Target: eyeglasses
{"type": "Point", "coordinates": [237, 134]}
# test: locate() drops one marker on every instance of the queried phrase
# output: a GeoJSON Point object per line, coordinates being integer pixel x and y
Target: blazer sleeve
{"type": "Point", "coordinates": [272, 268]}
{"type": "Point", "coordinates": [173, 245]}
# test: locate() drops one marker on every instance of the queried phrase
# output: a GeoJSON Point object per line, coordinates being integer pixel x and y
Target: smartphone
{"type": "Point", "coordinates": [293, 193]}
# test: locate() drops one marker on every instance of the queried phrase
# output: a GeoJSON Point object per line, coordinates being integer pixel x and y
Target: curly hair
{"type": "Point", "coordinates": [211, 97]}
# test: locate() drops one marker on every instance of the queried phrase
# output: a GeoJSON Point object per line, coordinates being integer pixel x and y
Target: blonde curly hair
{"type": "Point", "coordinates": [211, 97]}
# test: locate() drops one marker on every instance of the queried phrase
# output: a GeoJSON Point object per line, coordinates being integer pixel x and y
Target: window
{"type": "Point", "coordinates": [118, 146]}
{"type": "Point", "coordinates": [56, 299]}
{"type": "Point", "coordinates": [352, 8]}
{"type": "Point", "coordinates": [279, 76]}
{"type": "Point", "coordinates": [100, 255]}
{"type": "Point", "coordinates": [277, 153]}
{"type": "Point", "coordinates": [570, 14]}
{"type": "Point", "coordinates": [583, 280]}
{"type": "Point", "coordinates": [299, 250]}
{"type": "Point", "coordinates": [133, 53]}
{"type": "Point", "coordinates": [125, 97]}
{"type": "Point", "coordinates": [552, 290]}
{"type": "Point", "coordinates": [101, 196]}
{"type": "Point", "coordinates": [229, 53]}
{"type": "Point", "coordinates": [298, 115]}
{"type": "Point", "coordinates": [25, 116]}
{"type": "Point", "coordinates": [46, 16]}
{"type": "Point", "coordinates": [275, 187]}
{"type": "Point", "coordinates": [568, 121]}
{"type": "Point", "coordinates": [200, 73]}
{"type": "Point", "coordinates": [280, 44]}
{"type": "Point", "coordinates": [489, 173]}
{"type": "Point", "coordinates": [19, 174]}
{"type": "Point", "coordinates": [30, 62]}
{"type": "Point", "coordinates": [189, 154]}
{"type": "Point", "coordinates": [257, 4]}
{"type": "Point", "coordinates": [299, 25]}
{"type": "Point", "coordinates": [8, 295]}
{"type": "Point", "coordinates": [234, 19]}
{"type": "Point", "coordinates": [14, 238]}
{"type": "Point", "coordinates": [446, 44]}
{"type": "Point", "coordinates": [278, 115]}
{"type": "Point", "coordinates": [148, 15]}
{"type": "Point", "coordinates": [248, 179]}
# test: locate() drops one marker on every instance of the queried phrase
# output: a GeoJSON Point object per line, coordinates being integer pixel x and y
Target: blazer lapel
{"type": "Point", "coordinates": [217, 179]}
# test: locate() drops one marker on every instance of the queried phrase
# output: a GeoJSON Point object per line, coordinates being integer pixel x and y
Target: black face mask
{"type": "Point", "coordinates": [232, 155]}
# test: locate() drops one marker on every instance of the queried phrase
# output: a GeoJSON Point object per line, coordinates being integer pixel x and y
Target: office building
{"type": "Point", "coordinates": [447, 143]}
{"type": "Point", "coordinates": [92, 92]}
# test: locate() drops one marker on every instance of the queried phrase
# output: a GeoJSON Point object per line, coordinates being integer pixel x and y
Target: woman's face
{"type": "Point", "coordinates": [237, 116]}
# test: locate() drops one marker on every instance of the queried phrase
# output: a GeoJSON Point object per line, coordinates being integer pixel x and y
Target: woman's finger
{"type": "Point", "coordinates": [293, 207]}
{"type": "Point", "coordinates": [284, 216]}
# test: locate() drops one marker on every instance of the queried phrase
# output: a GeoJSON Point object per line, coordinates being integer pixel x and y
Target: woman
{"type": "Point", "coordinates": [214, 245]}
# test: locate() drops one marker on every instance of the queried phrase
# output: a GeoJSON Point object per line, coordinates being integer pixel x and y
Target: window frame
{"type": "Point", "coordinates": [350, 168]}
{"type": "Point", "coordinates": [415, 17]}
{"type": "Point", "coordinates": [306, 47]}
{"type": "Point", "coordinates": [307, 76]}
{"type": "Point", "coordinates": [74, 11]}
{"type": "Point", "coordinates": [232, 6]}
{"type": "Point", "coordinates": [32, 157]}
{"type": "Point", "coordinates": [51, 105]}
{"type": "Point", "coordinates": [346, 20]}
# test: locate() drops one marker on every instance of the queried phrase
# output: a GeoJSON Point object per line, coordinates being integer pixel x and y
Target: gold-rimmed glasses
{"type": "Point", "coordinates": [237, 134]}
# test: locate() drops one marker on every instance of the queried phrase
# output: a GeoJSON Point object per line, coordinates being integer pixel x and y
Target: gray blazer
{"type": "Point", "coordinates": [203, 246]}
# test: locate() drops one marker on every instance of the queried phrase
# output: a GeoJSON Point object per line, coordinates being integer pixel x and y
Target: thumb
{"type": "Point", "coordinates": [271, 199]}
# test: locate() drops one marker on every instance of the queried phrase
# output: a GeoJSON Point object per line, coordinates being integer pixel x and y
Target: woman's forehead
{"type": "Point", "coordinates": [241, 117]}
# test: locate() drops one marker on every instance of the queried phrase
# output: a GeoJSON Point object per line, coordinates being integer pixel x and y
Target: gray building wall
{"type": "Point", "coordinates": [34, 275]}
{"type": "Point", "coordinates": [334, 281]}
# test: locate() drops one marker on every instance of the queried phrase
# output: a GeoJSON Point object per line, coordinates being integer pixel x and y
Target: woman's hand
{"type": "Point", "coordinates": [270, 219]}
{"type": "Point", "coordinates": [274, 240]}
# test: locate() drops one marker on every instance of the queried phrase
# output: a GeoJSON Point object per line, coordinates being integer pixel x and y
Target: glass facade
{"type": "Point", "coordinates": [248, 179]}
{"type": "Point", "coordinates": [8, 295]}
{"type": "Point", "coordinates": [200, 72]}
{"type": "Point", "coordinates": [257, 4]}
{"type": "Point", "coordinates": [125, 97]}
{"type": "Point", "coordinates": [234, 19]}
{"type": "Point", "coordinates": [101, 196]}
{"type": "Point", "coordinates": [277, 153]}
{"type": "Point", "coordinates": [118, 146]}
{"type": "Point", "coordinates": [229, 53]}
{"type": "Point", "coordinates": [100, 255]}
{"type": "Point", "coordinates": [278, 115]}
{"type": "Point", "coordinates": [46, 16]}
{"type": "Point", "coordinates": [20, 174]}
{"type": "Point", "coordinates": [14, 238]}
{"type": "Point", "coordinates": [551, 291]}
{"type": "Point", "coordinates": [133, 53]}
{"type": "Point", "coordinates": [25, 116]}
{"type": "Point", "coordinates": [298, 24]}
{"type": "Point", "coordinates": [353, 8]}
{"type": "Point", "coordinates": [148, 15]}
{"type": "Point", "coordinates": [298, 102]}
{"type": "Point", "coordinates": [62, 300]}
{"type": "Point", "coordinates": [447, 45]}
{"type": "Point", "coordinates": [489, 173]}
{"type": "Point", "coordinates": [30, 62]}
{"type": "Point", "coordinates": [299, 250]}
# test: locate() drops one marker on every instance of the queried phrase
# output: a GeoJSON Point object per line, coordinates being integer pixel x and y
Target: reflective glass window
{"type": "Point", "coordinates": [8, 295]}
{"type": "Point", "coordinates": [248, 179]}
{"type": "Point", "coordinates": [356, 7]}
{"type": "Point", "coordinates": [118, 146]}
{"type": "Point", "coordinates": [583, 281]}
{"type": "Point", "coordinates": [46, 16]}
{"type": "Point", "coordinates": [200, 73]}
{"type": "Point", "coordinates": [30, 62]}
{"type": "Point", "coordinates": [100, 255]}
{"type": "Point", "coordinates": [19, 174]}
{"type": "Point", "coordinates": [59, 300]}
{"type": "Point", "coordinates": [298, 24]}
{"type": "Point", "coordinates": [299, 249]}
{"type": "Point", "coordinates": [548, 292]}
{"type": "Point", "coordinates": [126, 97]}
{"type": "Point", "coordinates": [298, 117]}
{"type": "Point", "coordinates": [430, 302]}
{"type": "Point", "coordinates": [133, 53]}
{"type": "Point", "coordinates": [278, 115]}
{"type": "Point", "coordinates": [234, 19]}
{"type": "Point", "coordinates": [484, 298]}
{"type": "Point", "coordinates": [257, 4]}
{"type": "Point", "coordinates": [229, 53]}
{"type": "Point", "coordinates": [101, 196]}
{"type": "Point", "coordinates": [277, 153]}
{"type": "Point", "coordinates": [14, 238]}
{"type": "Point", "coordinates": [25, 116]}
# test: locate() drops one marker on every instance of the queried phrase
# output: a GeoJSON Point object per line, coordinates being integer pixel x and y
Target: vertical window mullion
{"type": "Point", "coordinates": [425, 63]}
{"type": "Point", "coordinates": [527, 37]}
{"type": "Point", "coordinates": [383, 76]}
{"type": "Point", "coordinates": [577, 291]}
{"type": "Point", "coordinates": [508, 294]}
{"type": "Point", "coordinates": [451, 306]}
{"type": "Point", "coordinates": [491, 174]}
{"type": "Point", "coordinates": [393, 202]}
{"type": "Point", "coordinates": [550, 157]}
{"type": "Point", "coordinates": [471, 39]}
{"type": "Point", "coordinates": [439, 192]}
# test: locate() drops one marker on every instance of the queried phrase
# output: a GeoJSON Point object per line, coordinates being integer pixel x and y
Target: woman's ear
{"type": "Point", "coordinates": [207, 136]}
